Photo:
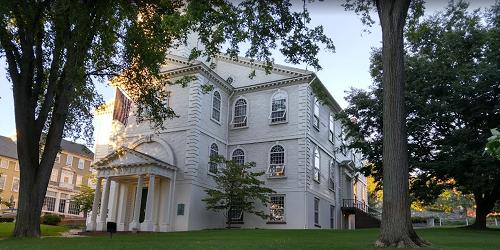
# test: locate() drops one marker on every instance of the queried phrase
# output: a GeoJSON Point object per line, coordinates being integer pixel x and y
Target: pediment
{"type": "Point", "coordinates": [124, 156]}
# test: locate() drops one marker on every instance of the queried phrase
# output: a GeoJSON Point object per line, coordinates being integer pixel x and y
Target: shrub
{"type": "Point", "coordinates": [420, 219]}
{"type": "Point", "coordinates": [6, 220]}
{"type": "Point", "coordinates": [51, 219]}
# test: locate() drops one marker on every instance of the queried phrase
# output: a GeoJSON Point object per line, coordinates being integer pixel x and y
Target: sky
{"type": "Point", "coordinates": [347, 68]}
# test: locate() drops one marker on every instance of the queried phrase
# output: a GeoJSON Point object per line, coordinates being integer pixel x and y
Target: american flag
{"type": "Point", "coordinates": [122, 107]}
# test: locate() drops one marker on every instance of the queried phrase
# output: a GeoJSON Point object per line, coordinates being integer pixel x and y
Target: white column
{"type": "Point", "coordinates": [115, 187]}
{"type": "Point", "coordinates": [66, 205]}
{"type": "Point", "coordinates": [171, 194]}
{"type": "Point", "coordinates": [104, 206]}
{"type": "Point", "coordinates": [135, 225]}
{"type": "Point", "coordinates": [148, 219]}
{"type": "Point", "coordinates": [164, 205]}
{"type": "Point", "coordinates": [122, 208]}
{"type": "Point", "coordinates": [95, 205]}
{"type": "Point", "coordinates": [156, 207]}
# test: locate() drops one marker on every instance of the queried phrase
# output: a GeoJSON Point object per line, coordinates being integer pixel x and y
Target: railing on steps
{"type": "Point", "coordinates": [361, 205]}
{"type": "Point", "coordinates": [354, 203]}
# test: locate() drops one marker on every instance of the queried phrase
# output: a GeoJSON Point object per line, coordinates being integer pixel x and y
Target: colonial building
{"type": "Point", "coordinates": [71, 170]}
{"type": "Point", "coordinates": [155, 181]}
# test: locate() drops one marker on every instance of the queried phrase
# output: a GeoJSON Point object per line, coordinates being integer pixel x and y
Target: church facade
{"type": "Point", "coordinates": [155, 181]}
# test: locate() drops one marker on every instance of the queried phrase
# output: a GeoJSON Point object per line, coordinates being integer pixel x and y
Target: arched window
{"type": "Point", "coordinates": [214, 151]}
{"type": "Point", "coordinates": [216, 106]}
{"type": "Point", "coordinates": [240, 113]}
{"type": "Point", "coordinates": [278, 107]}
{"type": "Point", "coordinates": [316, 113]}
{"type": "Point", "coordinates": [238, 156]}
{"type": "Point", "coordinates": [331, 175]}
{"type": "Point", "coordinates": [317, 163]}
{"type": "Point", "coordinates": [331, 134]}
{"type": "Point", "coordinates": [277, 161]}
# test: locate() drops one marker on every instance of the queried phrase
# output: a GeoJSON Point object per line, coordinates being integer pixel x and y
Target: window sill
{"type": "Point", "coordinates": [218, 122]}
{"type": "Point", "coordinates": [236, 223]}
{"type": "Point", "coordinates": [316, 128]}
{"type": "Point", "coordinates": [317, 181]}
{"type": "Point", "coordinates": [277, 177]}
{"type": "Point", "coordinates": [317, 225]}
{"type": "Point", "coordinates": [277, 123]}
{"type": "Point", "coordinates": [276, 222]}
{"type": "Point", "coordinates": [212, 174]}
{"type": "Point", "coordinates": [243, 127]}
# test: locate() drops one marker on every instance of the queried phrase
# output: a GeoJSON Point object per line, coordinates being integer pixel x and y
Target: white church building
{"type": "Point", "coordinates": [155, 181]}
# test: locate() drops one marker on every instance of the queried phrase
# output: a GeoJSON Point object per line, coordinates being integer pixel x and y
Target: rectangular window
{"type": "Point", "coordinates": [69, 160]}
{"type": "Point", "coordinates": [277, 208]}
{"type": "Point", "coordinates": [15, 184]}
{"type": "Point", "coordinates": [316, 114]}
{"type": "Point", "coordinates": [12, 164]}
{"type": "Point", "coordinates": [180, 209]}
{"type": "Point", "coordinates": [62, 205]}
{"type": "Point", "coordinates": [332, 217]}
{"type": "Point", "coordinates": [73, 208]}
{"type": "Point", "coordinates": [54, 175]}
{"type": "Point", "coordinates": [79, 180]}
{"type": "Point", "coordinates": [81, 164]}
{"type": "Point", "coordinates": [4, 164]}
{"type": "Point", "coordinates": [316, 211]}
{"type": "Point", "coordinates": [235, 215]}
{"type": "Point", "coordinates": [3, 179]}
{"type": "Point", "coordinates": [331, 134]}
{"type": "Point", "coordinates": [49, 203]}
{"type": "Point", "coordinates": [16, 167]}
{"type": "Point", "coordinates": [58, 158]}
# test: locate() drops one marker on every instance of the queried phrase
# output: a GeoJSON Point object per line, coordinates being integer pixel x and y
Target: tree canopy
{"type": "Point", "coordinates": [238, 189]}
{"type": "Point", "coordinates": [451, 95]}
{"type": "Point", "coordinates": [57, 50]}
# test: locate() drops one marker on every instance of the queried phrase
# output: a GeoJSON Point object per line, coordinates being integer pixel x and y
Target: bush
{"type": "Point", "coordinates": [6, 220]}
{"type": "Point", "coordinates": [51, 219]}
{"type": "Point", "coordinates": [420, 219]}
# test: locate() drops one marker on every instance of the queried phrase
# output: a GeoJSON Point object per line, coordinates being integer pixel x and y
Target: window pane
{"type": "Point", "coordinates": [216, 101]}
{"type": "Point", "coordinates": [240, 113]}
{"type": "Point", "coordinates": [277, 161]}
{"type": "Point", "coordinates": [277, 208]}
{"type": "Point", "coordinates": [214, 151]}
{"type": "Point", "coordinates": [278, 108]}
{"type": "Point", "coordinates": [238, 156]}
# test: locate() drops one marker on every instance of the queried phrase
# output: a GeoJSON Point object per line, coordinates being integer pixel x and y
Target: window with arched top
{"type": "Point", "coordinates": [331, 174]}
{"type": "Point", "coordinates": [279, 107]}
{"type": "Point", "coordinates": [316, 113]}
{"type": "Point", "coordinates": [317, 163]}
{"type": "Point", "coordinates": [238, 156]}
{"type": "Point", "coordinates": [214, 151]}
{"type": "Point", "coordinates": [240, 113]}
{"type": "Point", "coordinates": [216, 101]}
{"type": "Point", "coordinates": [331, 133]}
{"type": "Point", "coordinates": [277, 161]}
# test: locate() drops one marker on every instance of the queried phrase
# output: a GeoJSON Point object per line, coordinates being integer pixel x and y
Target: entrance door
{"type": "Point", "coordinates": [142, 213]}
{"type": "Point", "coordinates": [332, 217]}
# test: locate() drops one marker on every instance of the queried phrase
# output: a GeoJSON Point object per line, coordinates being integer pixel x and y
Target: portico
{"type": "Point", "coordinates": [144, 190]}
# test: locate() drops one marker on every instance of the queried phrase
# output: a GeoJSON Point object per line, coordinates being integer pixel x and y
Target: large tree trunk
{"type": "Point", "coordinates": [484, 205]}
{"type": "Point", "coordinates": [396, 227]}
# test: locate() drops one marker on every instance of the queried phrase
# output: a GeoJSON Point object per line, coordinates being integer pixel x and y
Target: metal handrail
{"type": "Point", "coordinates": [354, 203]}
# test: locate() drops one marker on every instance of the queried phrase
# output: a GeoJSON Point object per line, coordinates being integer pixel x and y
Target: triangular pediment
{"type": "Point", "coordinates": [244, 72]}
{"type": "Point", "coordinates": [124, 156]}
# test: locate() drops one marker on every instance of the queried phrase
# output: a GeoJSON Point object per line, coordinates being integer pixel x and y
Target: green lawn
{"type": "Point", "coordinates": [257, 239]}
{"type": "Point", "coordinates": [7, 228]}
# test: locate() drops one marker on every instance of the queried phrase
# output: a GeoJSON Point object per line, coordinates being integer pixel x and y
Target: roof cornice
{"type": "Point", "coordinates": [287, 81]}
{"type": "Point", "coordinates": [277, 68]}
